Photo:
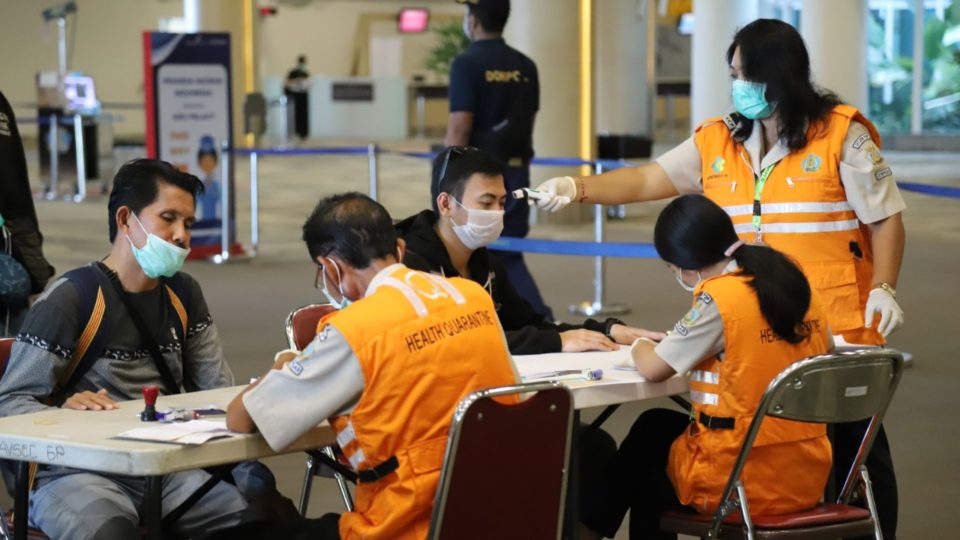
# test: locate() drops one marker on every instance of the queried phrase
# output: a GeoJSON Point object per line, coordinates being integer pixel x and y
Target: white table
{"type": "Point", "coordinates": [84, 440]}
{"type": "Point", "coordinates": [617, 386]}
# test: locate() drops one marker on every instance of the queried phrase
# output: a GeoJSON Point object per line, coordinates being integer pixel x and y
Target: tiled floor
{"type": "Point", "coordinates": [250, 298]}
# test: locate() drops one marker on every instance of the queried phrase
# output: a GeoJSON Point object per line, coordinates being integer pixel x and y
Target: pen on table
{"type": "Point", "coordinates": [570, 374]}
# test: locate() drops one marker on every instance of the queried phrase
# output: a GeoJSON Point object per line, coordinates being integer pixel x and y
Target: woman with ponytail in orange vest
{"type": "Point", "coordinates": [753, 315]}
{"type": "Point", "coordinates": [800, 171]}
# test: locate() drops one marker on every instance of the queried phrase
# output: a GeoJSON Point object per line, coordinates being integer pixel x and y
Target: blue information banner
{"type": "Point", "coordinates": [188, 107]}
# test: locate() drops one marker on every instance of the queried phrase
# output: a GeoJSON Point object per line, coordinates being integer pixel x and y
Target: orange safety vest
{"type": "Point", "coordinates": [423, 342]}
{"type": "Point", "coordinates": [787, 468]}
{"type": "Point", "coordinates": [803, 212]}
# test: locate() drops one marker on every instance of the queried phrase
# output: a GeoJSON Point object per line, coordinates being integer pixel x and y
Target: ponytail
{"type": "Point", "coordinates": [782, 289]}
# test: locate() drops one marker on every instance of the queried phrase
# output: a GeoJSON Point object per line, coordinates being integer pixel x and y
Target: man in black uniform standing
{"type": "Point", "coordinates": [494, 97]}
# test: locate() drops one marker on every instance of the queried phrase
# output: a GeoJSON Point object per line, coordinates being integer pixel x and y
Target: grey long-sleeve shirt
{"type": "Point", "coordinates": [50, 332]}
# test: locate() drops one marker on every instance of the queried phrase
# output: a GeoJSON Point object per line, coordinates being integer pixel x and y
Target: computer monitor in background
{"type": "Point", "coordinates": [413, 20]}
{"type": "Point", "coordinates": [80, 93]}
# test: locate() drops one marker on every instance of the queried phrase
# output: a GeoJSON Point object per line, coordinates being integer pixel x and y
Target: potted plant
{"type": "Point", "coordinates": [451, 41]}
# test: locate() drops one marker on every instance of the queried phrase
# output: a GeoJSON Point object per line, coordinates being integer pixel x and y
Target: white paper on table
{"type": "Point", "coordinates": [190, 432]}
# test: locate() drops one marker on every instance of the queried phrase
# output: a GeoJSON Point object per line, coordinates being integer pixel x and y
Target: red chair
{"type": "Point", "coordinates": [301, 324]}
{"type": "Point", "coordinates": [6, 518]}
{"type": "Point", "coordinates": [831, 388]}
{"type": "Point", "coordinates": [301, 328]}
{"type": "Point", "coordinates": [504, 474]}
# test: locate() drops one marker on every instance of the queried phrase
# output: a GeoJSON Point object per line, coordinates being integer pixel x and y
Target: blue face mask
{"type": "Point", "coordinates": [749, 98]}
{"type": "Point", "coordinates": [157, 257]}
{"type": "Point", "coordinates": [344, 301]}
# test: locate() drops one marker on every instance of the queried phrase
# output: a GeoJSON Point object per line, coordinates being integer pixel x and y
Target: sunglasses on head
{"type": "Point", "coordinates": [458, 150]}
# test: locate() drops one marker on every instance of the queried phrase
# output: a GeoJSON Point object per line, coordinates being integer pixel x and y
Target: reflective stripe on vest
{"type": "Point", "coordinates": [347, 435]}
{"type": "Point", "coordinates": [707, 398]}
{"type": "Point", "coordinates": [788, 208]}
{"type": "Point", "coordinates": [802, 227]}
{"type": "Point", "coordinates": [356, 459]}
{"type": "Point", "coordinates": [445, 285]}
{"type": "Point", "coordinates": [709, 377]}
{"type": "Point", "coordinates": [407, 291]}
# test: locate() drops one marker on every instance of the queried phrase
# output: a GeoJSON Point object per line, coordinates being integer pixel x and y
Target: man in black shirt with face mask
{"type": "Point", "coordinates": [468, 199]}
{"type": "Point", "coordinates": [494, 98]}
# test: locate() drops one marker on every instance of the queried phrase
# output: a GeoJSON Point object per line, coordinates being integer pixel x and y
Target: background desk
{"type": "Point", "coordinates": [83, 440]}
{"type": "Point", "coordinates": [616, 386]}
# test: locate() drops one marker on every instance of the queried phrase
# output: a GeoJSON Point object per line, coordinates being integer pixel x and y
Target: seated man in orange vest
{"type": "Point", "coordinates": [388, 368]}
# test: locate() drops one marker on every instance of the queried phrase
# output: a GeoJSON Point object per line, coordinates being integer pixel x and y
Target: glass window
{"type": "Point", "coordinates": [890, 64]}
{"type": "Point", "coordinates": [941, 66]}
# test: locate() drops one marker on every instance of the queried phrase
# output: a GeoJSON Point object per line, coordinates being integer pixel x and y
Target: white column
{"type": "Point", "coordinates": [548, 32]}
{"type": "Point", "coordinates": [239, 19]}
{"type": "Point", "coordinates": [836, 37]}
{"type": "Point", "coordinates": [715, 23]}
{"type": "Point", "coordinates": [191, 15]}
{"type": "Point", "coordinates": [623, 71]}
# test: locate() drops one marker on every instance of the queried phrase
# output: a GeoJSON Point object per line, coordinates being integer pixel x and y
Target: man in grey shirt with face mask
{"type": "Point", "coordinates": [151, 211]}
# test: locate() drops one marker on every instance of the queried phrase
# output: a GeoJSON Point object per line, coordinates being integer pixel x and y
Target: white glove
{"type": "Point", "coordinates": [555, 193]}
{"type": "Point", "coordinates": [882, 302]}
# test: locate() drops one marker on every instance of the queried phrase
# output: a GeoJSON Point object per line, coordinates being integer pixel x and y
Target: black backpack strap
{"type": "Point", "coordinates": [92, 308]}
{"type": "Point", "coordinates": [178, 297]}
{"type": "Point", "coordinates": [170, 385]}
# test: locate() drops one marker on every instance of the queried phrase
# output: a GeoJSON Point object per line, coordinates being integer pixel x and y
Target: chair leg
{"type": "Point", "coordinates": [871, 503]}
{"type": "Point", "coordinates": [5, 532]}
{"type": "Point", "coordinates": [341, 482]}
{"type": "Point", "coordinates": [312, 464]}
{"type": "Point", "coordinates": [745, 510]}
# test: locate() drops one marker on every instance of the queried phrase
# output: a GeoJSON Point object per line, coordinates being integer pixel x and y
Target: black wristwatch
{"type": "Point", "coordinates": [608, 325]}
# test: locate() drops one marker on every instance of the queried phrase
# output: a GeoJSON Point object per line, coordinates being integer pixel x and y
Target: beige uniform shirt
{"type": "Point", "coordinates": [867, 179]}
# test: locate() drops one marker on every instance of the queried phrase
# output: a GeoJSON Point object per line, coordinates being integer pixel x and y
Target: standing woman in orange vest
{"type": "Point", "coordinates": [753, 315]}
{"type": "Point", "coordinates": [800, 171]}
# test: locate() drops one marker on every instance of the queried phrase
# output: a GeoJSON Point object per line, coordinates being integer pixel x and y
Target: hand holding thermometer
{"type": "Point", "coordinates": [566, 375]}
{"type": "Point", "coordinates": [530, 193]}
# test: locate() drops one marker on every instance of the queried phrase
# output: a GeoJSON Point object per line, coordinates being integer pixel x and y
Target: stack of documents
{"type": "Point", "coordinates": [192, 432]}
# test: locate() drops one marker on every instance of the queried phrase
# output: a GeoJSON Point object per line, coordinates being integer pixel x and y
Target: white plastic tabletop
{"type": "Point", "coordinates": [616, 386]}
{"type": "Point", "coordinates": [84, 439]}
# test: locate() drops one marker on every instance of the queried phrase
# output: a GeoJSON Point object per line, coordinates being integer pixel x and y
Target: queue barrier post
{"type": "Point", "coordinates": [53, 143]}
{"type": "Point", "coordinates": [599, 306]}
{"type": "Point", "coordinates": [254, 204]}
{"type": "Point", "coordinates": [374, 170]}
{"type": "Point", "coordinates": [79, 150]}
{"type": "Point", "coordinates": [225, 159]}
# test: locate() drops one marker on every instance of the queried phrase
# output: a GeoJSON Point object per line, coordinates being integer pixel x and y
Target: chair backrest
{"type": "Point", "coordinates": [301, 324]}
{"type": "Point", "coordinates": [838, 387]}
{"type": "Point", "coordinates": [504, 472]}
{"type": "Point", "coordinates": [5, 345]}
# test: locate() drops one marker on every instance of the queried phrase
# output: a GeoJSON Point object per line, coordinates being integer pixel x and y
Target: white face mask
{"type": "Point", "coordinates": [481, 229]}
{"type": "Point", "coordinates": [337, 304]}
{"type": "Point", "coordinates": [157, 257]}
{"type": "Point", "coordinates": [683, 284]}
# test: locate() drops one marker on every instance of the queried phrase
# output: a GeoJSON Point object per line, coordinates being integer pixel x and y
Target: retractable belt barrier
{"type": "Point", "coordinates": [599, 249]}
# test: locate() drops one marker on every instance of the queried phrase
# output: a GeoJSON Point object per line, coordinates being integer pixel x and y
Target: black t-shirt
{"type": "Point", "coordinates": [500, 86]}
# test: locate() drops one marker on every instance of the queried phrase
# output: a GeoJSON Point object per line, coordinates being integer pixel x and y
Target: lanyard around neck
{"type": "Point", "coordinates": [757, 191]}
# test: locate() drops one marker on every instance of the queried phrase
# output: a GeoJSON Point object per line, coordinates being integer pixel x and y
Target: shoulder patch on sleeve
{"type": "Point", "coordinates": [295, 366]}
{"type": "Point", "coordinates": [858, 142]}
{"type": "Point", "coordinates": [705, 298]}
{"type": "Point", "coordinates": [882, 173]}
